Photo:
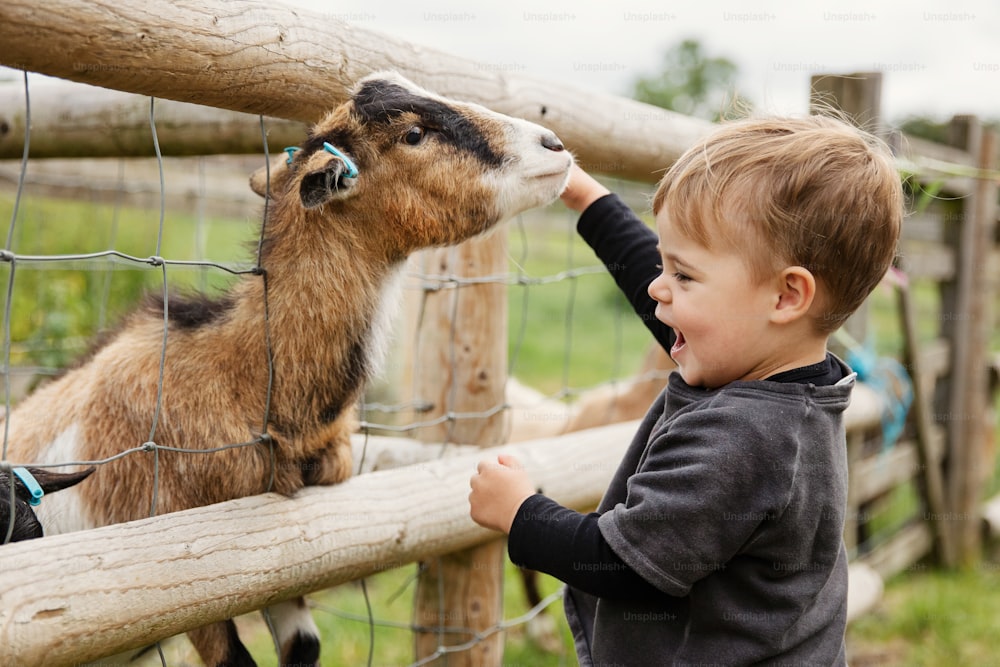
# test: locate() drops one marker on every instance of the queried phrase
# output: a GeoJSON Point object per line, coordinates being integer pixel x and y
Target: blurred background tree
{"type": "Point", "coordinates": [693, 83]}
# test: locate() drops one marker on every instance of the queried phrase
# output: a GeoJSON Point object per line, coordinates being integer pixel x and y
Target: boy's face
{"type": "Point", "coordinates": [719, 313]}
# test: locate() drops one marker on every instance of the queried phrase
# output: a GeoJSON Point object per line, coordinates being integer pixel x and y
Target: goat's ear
{"type": "Point", "coordinates": [52, 481]}
{"type": "Point", "coordinates": [279, 173]}
{"type": "Point", "coordinates": [327, 176]}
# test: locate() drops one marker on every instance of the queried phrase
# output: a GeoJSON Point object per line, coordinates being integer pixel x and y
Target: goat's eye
{"type": "Point", "coordinates": [415, 135]}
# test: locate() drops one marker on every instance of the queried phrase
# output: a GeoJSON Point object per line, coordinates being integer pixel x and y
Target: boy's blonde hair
{"type": "Point", "coordinates": [812, 192]}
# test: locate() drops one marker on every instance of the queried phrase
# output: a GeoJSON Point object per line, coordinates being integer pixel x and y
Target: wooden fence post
{"type": "Point", "coordinates": [931, 478]}
{"type": "Point", "coordinates": [461, 368]}
{"type": "Point", "coordinates": [965, 314]}
{"type": "Point", "coordinates": [859, 96]}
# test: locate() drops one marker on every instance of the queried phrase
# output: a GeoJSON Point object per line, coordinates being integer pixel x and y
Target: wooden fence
{"type": "Point", "coordinates": [234, 557]}
{"type": "Point", "coordinates": [949, 254]}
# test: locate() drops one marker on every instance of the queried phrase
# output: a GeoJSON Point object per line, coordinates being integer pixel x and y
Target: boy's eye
{"type": "Point", "coordinates": [677, 275]}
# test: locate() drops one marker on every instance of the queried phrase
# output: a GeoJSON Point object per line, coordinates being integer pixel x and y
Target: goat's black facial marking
{"type": "Point", "coordinates": [382, 102]}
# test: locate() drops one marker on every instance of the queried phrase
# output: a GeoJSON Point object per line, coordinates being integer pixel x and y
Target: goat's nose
{"type": "Point", "coordinates": [552, 142]}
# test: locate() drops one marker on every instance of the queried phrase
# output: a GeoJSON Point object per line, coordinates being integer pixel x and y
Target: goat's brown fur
{"type": "Point", "coordinates": [331, 246]}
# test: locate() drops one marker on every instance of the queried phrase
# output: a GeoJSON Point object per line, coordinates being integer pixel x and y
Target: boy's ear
{"type": "Point", "coordinates": [796, 294]}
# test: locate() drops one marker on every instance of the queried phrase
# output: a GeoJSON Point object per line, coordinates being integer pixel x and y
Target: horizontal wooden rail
{"type": "Point", "coordinates": [73, 120]}
{"type": "Point", "coordinates": [268, 58]}
{"type": "Point", "coordinates": [80, 596]}
{"type": "Point", "coordinates": [880, 473]}
{"type": "Point", "coordinates": [905, 548]}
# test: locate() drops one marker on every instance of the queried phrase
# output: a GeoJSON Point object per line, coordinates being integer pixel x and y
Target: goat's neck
{"type": "Point", "coordinates": [326, 310]}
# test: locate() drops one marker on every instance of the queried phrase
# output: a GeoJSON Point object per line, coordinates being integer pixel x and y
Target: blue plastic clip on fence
{"type": "Point", "coordinates": [889, 380]}
{"type": "Point", "coordinates": [31, 484]}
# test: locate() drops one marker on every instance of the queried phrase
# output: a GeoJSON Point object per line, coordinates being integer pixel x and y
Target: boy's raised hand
{"type": "Point", "coordinates": [498, 489]}
{"type": "Point", "coordinates": [582, 190]}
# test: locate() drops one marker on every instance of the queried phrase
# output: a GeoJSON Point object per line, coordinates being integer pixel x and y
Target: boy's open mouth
{"type": "Point", "coordinates": [679, 343]}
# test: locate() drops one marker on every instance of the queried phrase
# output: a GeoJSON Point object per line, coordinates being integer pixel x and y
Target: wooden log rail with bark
{"type": "Point", "coordinates": [268, 58]}
{"type": "Point", "coordinates": [81, 596]}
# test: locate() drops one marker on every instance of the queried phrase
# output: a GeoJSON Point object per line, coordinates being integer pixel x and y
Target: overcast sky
{"type": "Point", "coordinates": [938, 58]}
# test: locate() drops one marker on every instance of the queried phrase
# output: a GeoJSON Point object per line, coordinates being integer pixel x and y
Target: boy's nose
{"type": "Point", "coordinates": [659, 290]}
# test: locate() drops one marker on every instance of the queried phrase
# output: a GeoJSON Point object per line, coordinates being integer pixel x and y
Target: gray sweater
{"type": "Point", "coordinates": [730, 501]}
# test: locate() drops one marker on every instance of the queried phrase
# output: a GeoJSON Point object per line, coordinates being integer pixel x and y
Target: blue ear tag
{"type": "Point", "coordinates": [352, 169]}
{"type": "Point", "coordinates": [291, 153]}
{"type": "Point", "coordinates": [32, 485]}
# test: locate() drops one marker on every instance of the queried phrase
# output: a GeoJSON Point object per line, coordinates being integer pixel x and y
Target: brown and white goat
{"type": "Point", "coordinates": [430, 172]}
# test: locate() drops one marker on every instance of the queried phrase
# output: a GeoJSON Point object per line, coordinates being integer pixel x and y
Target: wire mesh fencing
{"type": "Point", "coordinates": [72, 269]}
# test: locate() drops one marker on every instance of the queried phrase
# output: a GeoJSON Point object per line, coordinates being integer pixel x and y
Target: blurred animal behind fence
{"type": "Point", "coordinates": [22, 489]}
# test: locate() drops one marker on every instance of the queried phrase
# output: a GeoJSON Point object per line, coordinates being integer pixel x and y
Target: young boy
{"type": "Point", "coordinates": [719, 539]}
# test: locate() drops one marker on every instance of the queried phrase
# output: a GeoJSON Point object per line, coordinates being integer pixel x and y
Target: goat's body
{"type": "Point", "coordinates": [217, 368]}
{"type": "Point", "coordinates": [333, 246]}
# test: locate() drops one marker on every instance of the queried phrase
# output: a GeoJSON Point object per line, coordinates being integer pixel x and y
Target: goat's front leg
{"type": "Point", "coordinates": [318, 458]}
{"type": "Point", "coordinates": [330, 458]}
{"type": "Point", "coordinates": [295, 633]}
{"type": "Point", "coordinates": [219, 645]}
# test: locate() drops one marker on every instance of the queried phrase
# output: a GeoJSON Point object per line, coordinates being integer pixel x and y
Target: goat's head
{"type": "Point", "coordinates": [26, 524]}
{"type": "Point", "coordinates": [430, 171]}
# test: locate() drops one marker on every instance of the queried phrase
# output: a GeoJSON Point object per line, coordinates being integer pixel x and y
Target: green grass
{"type": "Point", "coordinates": [573, 333]}
{"type": "Point", "coordinates": [932, 618]}
{"type": "Point", "coordinates": [58, 306]}
{"type": "Point", "coordinates": [342, 616]}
